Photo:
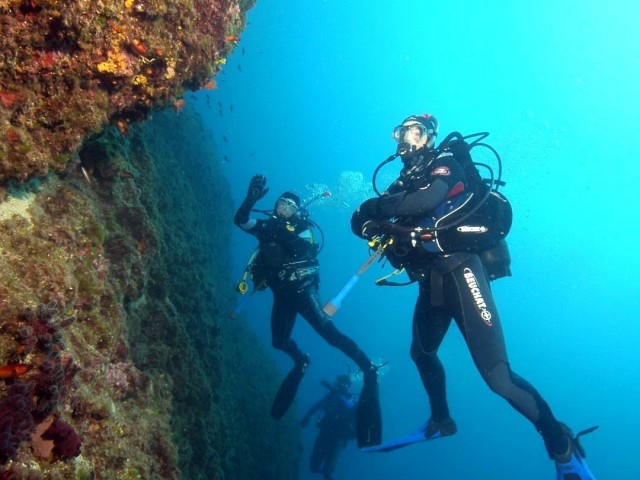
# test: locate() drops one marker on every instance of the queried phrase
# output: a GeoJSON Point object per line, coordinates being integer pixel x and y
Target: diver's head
{"type": "Point", "coordinates": [287, 205]}
{"type": "Point", "coordinates": [342, 383]}
{"type": "Point", "coordinates": [415, 132]}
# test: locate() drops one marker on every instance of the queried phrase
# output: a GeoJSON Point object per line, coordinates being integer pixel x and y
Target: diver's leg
{"type": "Point", "coordinates": [476, 314]}
{"type": "Point", "coordinates": [311, 309]}
{"type": "Point", "coordinates": [368, 414]}
{"type": "Point", "coordinates": [282, 320]}
{"type": "Point", "coordinates": [283, 317]}
{"type": "Point", "coordinates": [318, 454]}
{"type": "Point", "coordinates": [430, 324]}
{"type": "Point", "coordinates": [334, 448]}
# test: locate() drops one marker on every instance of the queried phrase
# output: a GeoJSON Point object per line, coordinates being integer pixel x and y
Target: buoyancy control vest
{"type": "Point", "coordinates": [476, 220]}
{"type": "Point", "coordinates": [284, 258]}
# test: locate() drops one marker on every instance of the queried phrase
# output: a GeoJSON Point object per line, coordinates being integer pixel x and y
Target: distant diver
{"type": "Point", "coordinates": [287, 263]}
{"type": "Point", "coordinates": [336, 426]}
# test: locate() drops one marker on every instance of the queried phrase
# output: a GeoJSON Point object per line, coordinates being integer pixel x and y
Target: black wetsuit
{"type": "Point", "coordinates": [287, 260]}
{"type": "Point", "coordinates": [336, 429]}
{"type": "Point", "coordinates": [453, 285]}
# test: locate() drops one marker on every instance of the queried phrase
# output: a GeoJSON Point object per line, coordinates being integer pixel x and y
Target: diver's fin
{"type": "Point", "coordinates": [368, 413]}
{"type": "Point", "coordinates": [288, 389]}
{"type": "Point", "coordinates": [575, 468]}
{"type": "Point", "coordinates": [432, 431]}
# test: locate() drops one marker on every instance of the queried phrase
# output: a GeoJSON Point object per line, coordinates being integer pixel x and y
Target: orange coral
{"type": "Point", "coordinates": [15, 370]}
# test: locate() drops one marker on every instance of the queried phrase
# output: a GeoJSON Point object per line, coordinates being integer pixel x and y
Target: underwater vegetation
{"type": "Point", "coordinates": [117, 356]}
{"type": "Point", "coordinates": [69, 68]}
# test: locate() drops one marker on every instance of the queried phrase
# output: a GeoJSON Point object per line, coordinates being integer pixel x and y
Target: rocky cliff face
{"type": "Point", "coordinates": [68, 68]}
{"type": "Point", "coordinates": [117, 356]}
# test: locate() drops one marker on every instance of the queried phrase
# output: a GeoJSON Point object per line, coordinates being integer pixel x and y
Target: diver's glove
{"type": "Point", "coordinates": [364, 214]}
{"type": "Point", "coordinates": [257, 188]}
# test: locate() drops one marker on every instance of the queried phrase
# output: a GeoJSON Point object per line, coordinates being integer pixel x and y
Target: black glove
{"type": "Point", "coordinates": [257, 188]}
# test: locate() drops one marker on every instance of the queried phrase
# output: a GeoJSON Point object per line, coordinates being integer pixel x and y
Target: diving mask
{"type": "Point", "coordinates": [408, 133]}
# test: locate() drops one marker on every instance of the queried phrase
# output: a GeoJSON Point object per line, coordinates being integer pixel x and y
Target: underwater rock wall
{"type": "Point", "coordinates": [69, 67]}
{"type": "Point", "coordinates": [119, 358]}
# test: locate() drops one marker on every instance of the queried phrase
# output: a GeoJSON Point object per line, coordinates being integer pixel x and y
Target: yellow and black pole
{"type": "Point", "coordinates": [242, 286]}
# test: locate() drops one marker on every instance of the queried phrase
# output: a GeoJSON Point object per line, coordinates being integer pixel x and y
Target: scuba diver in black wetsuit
{"type": "Point", "coordinates": [336, 426]}
{"type": "Point", "coordinates": [287, 262]}
{"type": "Point", "coordinates": [434, 214]}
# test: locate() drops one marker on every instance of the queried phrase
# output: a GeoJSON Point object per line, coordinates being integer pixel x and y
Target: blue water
{"type": "Point", "coordinates": [313, 90]}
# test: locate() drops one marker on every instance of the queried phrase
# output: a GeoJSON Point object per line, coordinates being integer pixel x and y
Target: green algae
{"type": "Point", "coordinates": [163, 391]}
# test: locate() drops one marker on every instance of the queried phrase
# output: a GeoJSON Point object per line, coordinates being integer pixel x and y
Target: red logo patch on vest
{"type": "Point", "coordinates": [441, 171]}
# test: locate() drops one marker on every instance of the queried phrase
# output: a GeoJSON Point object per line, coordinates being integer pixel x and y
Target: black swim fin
{"type": "Point", "coordinates": [288, 389]}
{"type": "Point", "coordinates": [368, 413]}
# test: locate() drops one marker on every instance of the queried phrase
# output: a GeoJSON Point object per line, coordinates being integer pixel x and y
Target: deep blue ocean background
{"type": "Point", "coordinates": [309, 99]}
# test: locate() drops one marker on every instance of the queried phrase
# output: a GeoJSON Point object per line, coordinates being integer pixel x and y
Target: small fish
{"type": "Point", "coordinates": [239, 68]}
{"type": "Point", "coordinates": [87, 177]}
{"type": "Point", "coordinates": [242, 50]}
{"type": "Point", "coordinates": [225, 139]}
{"type": "Point", "coordinates": [178, 105]}
{"type": "Point", "coordinates": [232, 38]}
{"type": "Point", "coordinates": [225, 159]}
{"type": "Point", "coordinates": [15, 370]}
{"type": "Point", "coordinates": [126, 174]}
{"type": "Point", "coordinates": [231, 108]}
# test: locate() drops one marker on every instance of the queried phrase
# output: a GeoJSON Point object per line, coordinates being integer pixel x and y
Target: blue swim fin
{"type": "Point", "coordinates": [575, 468]}
{"type": "Point", "coordinates": [432, 431]}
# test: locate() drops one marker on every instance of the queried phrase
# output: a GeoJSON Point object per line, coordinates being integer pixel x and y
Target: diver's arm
{"type": "Point", "coordinates": [241, 218]}
{"type": "Point", "coordinates": [445, 178]}
{"type": "Point", "coordinates": [313, 409]}
{"type": "Point", "coordinates": [402, 204]}
{"type": "Point", "coordinates": [257, 189]}
{"type": "Point", "coordinates": [421, 202]}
